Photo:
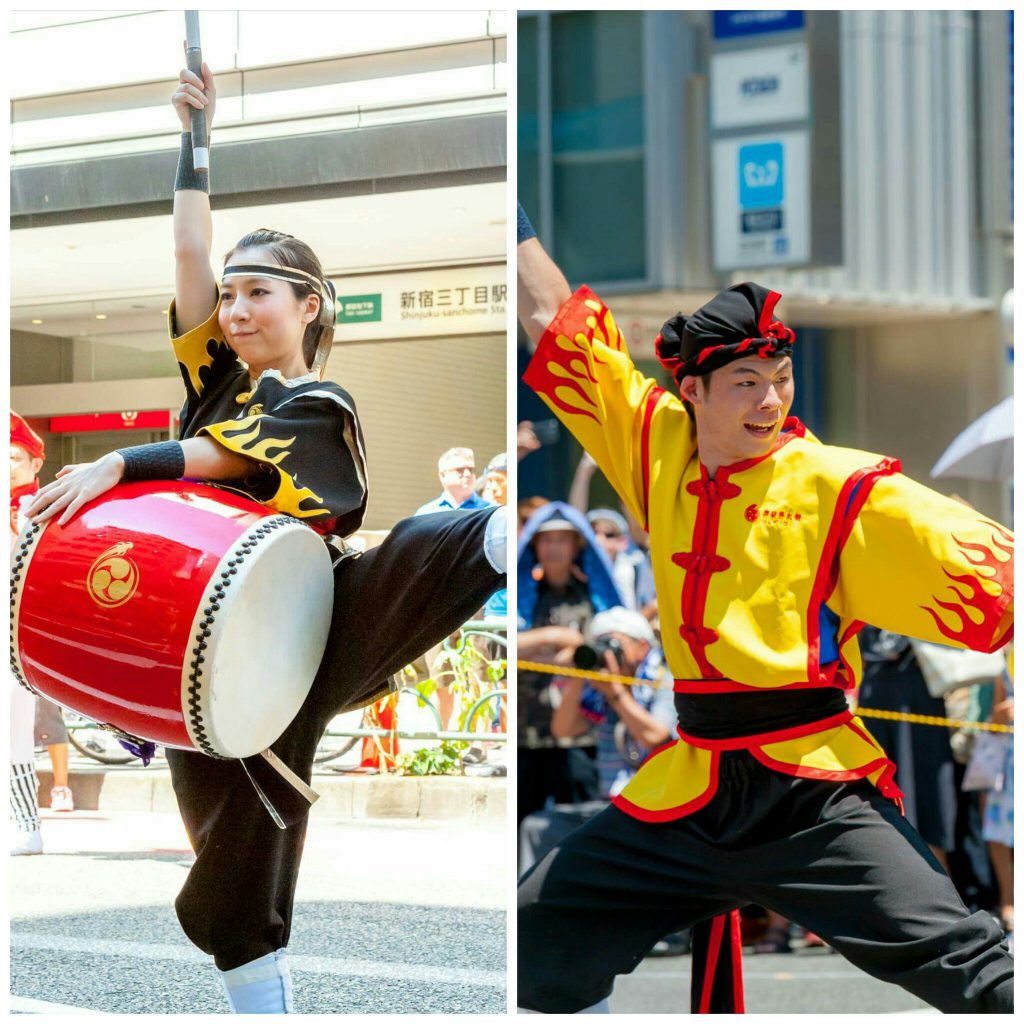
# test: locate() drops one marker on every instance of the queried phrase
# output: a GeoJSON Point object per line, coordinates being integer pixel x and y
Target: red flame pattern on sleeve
{"type": "Point", "coordinates": [563, 369]}
{"type": "Point", "coordinates": [972, 601]}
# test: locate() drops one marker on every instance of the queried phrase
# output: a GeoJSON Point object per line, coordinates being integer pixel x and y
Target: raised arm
{"type": "Point", "coordinates": [195, 287]}
{"type": "Point", "coordinates": [542, 287]}
{"type": "Point", "coordinates": [582, 371]}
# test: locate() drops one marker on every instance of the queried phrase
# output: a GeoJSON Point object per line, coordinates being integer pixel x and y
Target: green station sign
{"type": "Point", "coordinates": [358, 309]}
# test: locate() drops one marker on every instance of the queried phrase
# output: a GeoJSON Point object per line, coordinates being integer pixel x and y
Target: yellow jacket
{"type": "Point", "coordinates": [766, 572]}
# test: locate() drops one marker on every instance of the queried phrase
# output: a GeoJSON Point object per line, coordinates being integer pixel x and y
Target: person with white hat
{"type": "Point", "coordinates": [630, 720]}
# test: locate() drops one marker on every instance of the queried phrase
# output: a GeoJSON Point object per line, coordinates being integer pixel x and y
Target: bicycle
{"type": "Point", "coordinates": [95, 741]}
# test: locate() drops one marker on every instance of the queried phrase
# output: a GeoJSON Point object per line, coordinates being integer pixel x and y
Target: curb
{"type": "Point", "coordinates": [360, 797]}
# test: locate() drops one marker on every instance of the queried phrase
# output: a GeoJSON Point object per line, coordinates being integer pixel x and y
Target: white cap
{"type": "Point", "coordinates": [621, 620]}
{"type": "Point", "coordinates": [555, 523]}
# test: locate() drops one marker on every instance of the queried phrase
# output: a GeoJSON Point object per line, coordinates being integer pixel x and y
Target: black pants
{"type": "Point", "coordinates": [836, 858]}
{"type": "Point", "coordinates": [390, 605]}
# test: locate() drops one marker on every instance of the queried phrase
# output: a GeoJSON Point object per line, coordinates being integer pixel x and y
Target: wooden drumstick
{"type": "Point", "coordinates": [194, 62]}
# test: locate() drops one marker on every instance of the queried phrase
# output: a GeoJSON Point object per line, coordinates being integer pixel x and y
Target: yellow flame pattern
{"type": "Point", "coordinates": [243, 436]}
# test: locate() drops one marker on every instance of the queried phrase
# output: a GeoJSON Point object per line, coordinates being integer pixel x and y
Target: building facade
{"type": "Point", "coordinates": [378, 138]}
{"type": "Point", "coordinates": [900, 339]}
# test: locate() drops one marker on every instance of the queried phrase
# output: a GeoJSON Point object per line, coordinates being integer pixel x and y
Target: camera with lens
{"type": "Point", "coordinates": [588, 656]}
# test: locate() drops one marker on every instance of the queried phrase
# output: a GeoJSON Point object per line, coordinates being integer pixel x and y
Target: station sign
{"type": "Point", "coordinates": [774, 114]}
{"type": "Point", "coordinates": [765, 86]}
{"type": "Point", "coordinates": [733, 24]}
{"type": "Point", "coordinates": [762, 199]}
{"type": "Point", "coordinates": [422, 303]}
{"type": "Point", "coordinates": [358, 309]}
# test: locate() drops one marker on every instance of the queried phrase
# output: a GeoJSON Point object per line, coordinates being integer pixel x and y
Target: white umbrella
{"type": "Point", "coordinates": [984, 451]}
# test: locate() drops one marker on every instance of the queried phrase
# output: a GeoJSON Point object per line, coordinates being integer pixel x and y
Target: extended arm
{"type": "Point", "coordinates": [542, 287]}
{"type": "Point", "coordinates": [582, 372]}
{"type": "Point", "coordinates": [204, 459]}
{"type": "Point", "coordinates": [195, 288]}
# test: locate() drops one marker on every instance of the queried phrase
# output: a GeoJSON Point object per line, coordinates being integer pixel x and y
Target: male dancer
{"type": "Point", "coordinates": [770, 551]}
{"type": "Point", "coordinates": [27, 455]}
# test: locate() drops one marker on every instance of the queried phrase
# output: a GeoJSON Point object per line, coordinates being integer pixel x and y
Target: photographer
{"type": "Point", "coordinates": [564, 580]}
{"type": "Point", "coordinates": [630, 721]}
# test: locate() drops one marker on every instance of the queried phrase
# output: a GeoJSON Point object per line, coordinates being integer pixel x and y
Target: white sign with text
{"type": "Point", "coordinates": [767, 85]}
{"type": "Point", "coordinates": [422, 303]}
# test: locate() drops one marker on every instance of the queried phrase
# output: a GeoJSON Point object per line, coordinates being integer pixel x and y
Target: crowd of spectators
{"type": "Point", "coordinates": [586, 599]}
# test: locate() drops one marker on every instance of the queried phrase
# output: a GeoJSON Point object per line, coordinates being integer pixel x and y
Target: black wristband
{"type": "Point", "coordinates": [162, 461]}
{"type": "Point", "coordinates": [188, 178]}
{"type": "Point", "coordinates": [524, 229]}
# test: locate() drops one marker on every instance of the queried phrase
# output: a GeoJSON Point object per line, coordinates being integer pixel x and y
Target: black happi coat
{"type": "Point", "coordinates": [303, 433]}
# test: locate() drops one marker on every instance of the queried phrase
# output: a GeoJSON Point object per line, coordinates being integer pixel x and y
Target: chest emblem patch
{"type": "Point", "coordinates": [771, 516]}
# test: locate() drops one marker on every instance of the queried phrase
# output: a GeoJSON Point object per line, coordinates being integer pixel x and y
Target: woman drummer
{"type": "Point", "coordinates": [257, 416]}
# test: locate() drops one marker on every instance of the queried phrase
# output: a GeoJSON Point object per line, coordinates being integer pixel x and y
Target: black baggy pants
{"type": "Point", "coordinates": [391, 604]}
{"type": "Point", "coordinates": [837, 858]}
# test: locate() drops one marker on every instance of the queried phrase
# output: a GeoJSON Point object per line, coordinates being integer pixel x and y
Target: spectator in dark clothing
{"type": "Point", "coordinates": [565, 578]}
{"type": "Point", "coordinates": [893, 682]}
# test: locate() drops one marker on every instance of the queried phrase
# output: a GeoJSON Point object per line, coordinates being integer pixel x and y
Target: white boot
{"type": "Point", "coordinates": [260, 986]}
{"type": "Point", "coordinates": [27, 843]}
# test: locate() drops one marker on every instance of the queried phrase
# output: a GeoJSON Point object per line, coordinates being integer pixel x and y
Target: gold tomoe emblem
{"type": "Point", "coordinates": [113, 577]}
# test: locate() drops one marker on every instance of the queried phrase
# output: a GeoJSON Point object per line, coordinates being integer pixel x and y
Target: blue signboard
{"type": "Point", "coordinates": [731, 24]}
{"type": "Point", "coordinates": [762, 176]}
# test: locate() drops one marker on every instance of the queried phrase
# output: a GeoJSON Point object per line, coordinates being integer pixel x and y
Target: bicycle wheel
{"type": "Point", "coordinates": [94, 741]}
{"type": "Point", "coordinates": [331, 747]}
{"type": "Point", "coordinates": [479, 705]}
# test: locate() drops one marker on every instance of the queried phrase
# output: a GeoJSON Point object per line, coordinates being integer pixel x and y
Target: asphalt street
{"type": "Point", "coordinates": [812, 981]}
{"type": "Point", "coordinates": [391, 917]}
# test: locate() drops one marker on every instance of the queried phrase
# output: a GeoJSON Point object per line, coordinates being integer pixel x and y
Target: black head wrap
{"type": "Point", "coordinates": [735, 323]}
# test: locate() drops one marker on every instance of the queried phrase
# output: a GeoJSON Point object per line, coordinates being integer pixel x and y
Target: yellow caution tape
{"type": "Point", "coordinates": [952, 723]}
{"type": "Point", "coordinates": [896, 716]}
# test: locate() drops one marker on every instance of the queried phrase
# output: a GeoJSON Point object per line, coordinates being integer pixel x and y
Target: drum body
{"type": "Point", "coordinates": [176, 612]}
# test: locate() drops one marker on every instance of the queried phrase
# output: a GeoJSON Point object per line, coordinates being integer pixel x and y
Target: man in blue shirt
{"type": "Point", "coordinates": [456, 470]}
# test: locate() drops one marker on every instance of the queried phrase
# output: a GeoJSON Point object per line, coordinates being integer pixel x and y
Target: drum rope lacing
{"type": "Point", "coordinates": [16, 573]}
{"type": "Point", "coordinates": [252, 539]}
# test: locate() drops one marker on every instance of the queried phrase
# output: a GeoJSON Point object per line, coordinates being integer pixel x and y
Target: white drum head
{"type": "Point", "coordinates": [267, 638]}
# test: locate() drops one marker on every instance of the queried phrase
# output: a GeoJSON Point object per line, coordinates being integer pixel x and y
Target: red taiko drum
{"type": "Point", "coordinates": [176, 612]}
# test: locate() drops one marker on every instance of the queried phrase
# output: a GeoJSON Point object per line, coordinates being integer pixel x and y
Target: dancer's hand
{"type": "Point", "coordinates": [193, 91]}
{"type": "Point", "coordinates": [74, 486]}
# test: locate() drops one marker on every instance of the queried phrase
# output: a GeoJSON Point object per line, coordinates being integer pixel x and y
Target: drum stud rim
{"type": "Point", "coordinates": [29, 539]}
{"type": "Point", "coordinates": [244, 549]}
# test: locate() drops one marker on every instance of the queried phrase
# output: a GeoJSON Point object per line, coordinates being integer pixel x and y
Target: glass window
{"type": "Point", "coordinates": [527, 126]}
{"type": "Point", "coordinates": [597, 145]}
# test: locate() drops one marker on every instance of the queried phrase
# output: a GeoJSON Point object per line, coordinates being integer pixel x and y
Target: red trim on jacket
{"type": "Point", "coordinates": [851, 631]}
{"type": "Point", "coordinates": [827, 679]}
{"type": "Point", "coordinates": [821, 774]}
{"type": "Point", "coordinates": [700, 561]}
{"type": "Point", "coordinates": [761, 738]}
{"type": "Point", "coordinates": [653, 397]}
{"type": "Point", "coordinates": [680, 811]}
{"type": "Point", "coordinates": [703, 540]}
{"type": "Point", "coordinates": [844, 516]}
